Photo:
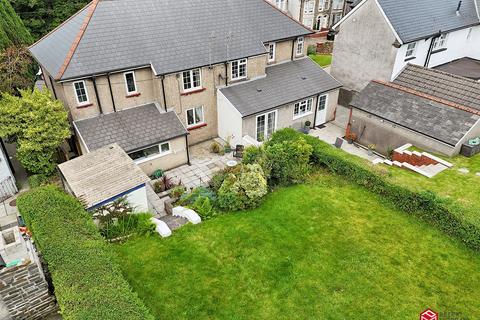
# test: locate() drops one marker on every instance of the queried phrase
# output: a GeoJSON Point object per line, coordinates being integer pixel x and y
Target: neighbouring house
{"type": "Point", "coordinates": [464, 67]}
{"type": "Point", "coordinates": [7, 181]}
{"type": "Point", "coordinates": [256, 109]}
{"type": "Point", "coordinates": [318, 15]}
{"type": "Point", "coordinates": [430, 109]}
{"type": "Point", "coordinates": [379, 37]}
{"type": "Point", "coordinates": [102, 176]}
{"type": "Point", "coordinates": [145, 79]}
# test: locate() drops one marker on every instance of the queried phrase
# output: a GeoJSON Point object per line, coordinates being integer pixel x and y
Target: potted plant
{"type": "Point", "coordinates": [306, 128]}
{"type": "Point", "coordinates": [351, 138]}
{"type": "Point", "coordinates": [371, 149]}
{"type": "Point", "coordinates": [228, 146]}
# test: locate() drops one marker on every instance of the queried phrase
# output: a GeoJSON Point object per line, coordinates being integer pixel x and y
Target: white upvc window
{"type": "Point", "coordinates": [337, 4]}
{"type": "Point", "coordinates": [81, 92]}
{"type": "Point", "coordinates": [440, 42]}
{"type": "Point", "coordinates": [309, 6]}
{"type": "Point", "coordinates": [302, 108]}
{"type": "Point", "coordinates": [265, 125]}
{"type": "Point", "coordinates": [321, 5]}
{"type": "Point", "coordinates": [239, 69]}
{"type": "Point", "coordinates": [195, 117]}
{"type": "Point", "coordinates": [130, 82]}
{"type": "Point", "coordinates": [300, 46]}
{"type": "Point", "coordinates": [192, 80]}
{"type": "Point", "coordinates": [411, 49]}
{"type": "Point", "coordinates": [280, 4]}
{"type": "Point", "coordinates": [271, 47]}
{"type": "Point", "coordinates": [150, 153]}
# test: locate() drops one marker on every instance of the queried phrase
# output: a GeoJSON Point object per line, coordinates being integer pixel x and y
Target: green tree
{"type": "Point", "coordinates": [12, 29]}
{"type": "Point", "coordinates": [39, 125]}
{"type": "Point", "coordinates": [17, 70]}
{"type": "Point", "coordinates": [41, 17]}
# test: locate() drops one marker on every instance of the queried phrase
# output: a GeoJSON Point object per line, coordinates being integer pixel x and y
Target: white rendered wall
{"type": "Point", "coordinates": [229, 120]}
{"type": "Point", "coordinates": [138, 199]}
{"type": "Point", "coordinates": [461, 43]}
{"type": "Point", "coordinates": [294, 8]}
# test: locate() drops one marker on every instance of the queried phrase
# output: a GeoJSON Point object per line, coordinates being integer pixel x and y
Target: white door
{"type": "Point", "coordinates": [321, 110]}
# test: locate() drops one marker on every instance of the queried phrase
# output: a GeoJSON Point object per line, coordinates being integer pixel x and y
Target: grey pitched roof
{"type": "Point", "coordinates": [171, 35]}
{"type": "Point", "coordinates": [419, 19]}
{"type": "Point", "coordinates": [430, 118]}
{"type": "Point", "coordinates": [464, 67]}
{"type": "Point", "coordinates": [132, 129]}
{"type": "Point", "coordinates": [284, 83]}
{"type": "Point", "coordinates": [102, 174]}
{"type": "Point", "coordinates": [442, 85]}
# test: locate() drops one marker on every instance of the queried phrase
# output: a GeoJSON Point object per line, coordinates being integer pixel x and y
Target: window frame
{"type": "Point", "coordinates": [443, 38]}
{"type": "Point", "coordinates": [280, 4]}
{"type": "Point", "coordinates": [312, 2]}
{"type": "Point", "coordinates": [134, 82]}
{"type": "Point", "coordinates": [195, 124]}
{"type": "Point", "coordinates": [86, 93]}
{"type": "Point", "coordinates": [410, 52]}
{"type": "Point", "coordinates": [265, 129]}
{"type": "Point", "coordinates": [192, 82]}
{"type": "Point", "coordinates": [326, 101]}
{"type": "Point", "coordinates": [297, 44]}
{"type": "Point", "coordinates": [153, 156]}
{"type": "Point", "coordinates": [273, 52]}
{"type": "Point", "coordinates": [239, 61]}
{"type": "Point", "coordinates": [308, 103]}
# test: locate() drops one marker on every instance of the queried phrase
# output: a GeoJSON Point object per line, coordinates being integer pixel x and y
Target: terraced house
{"type": "Point", "coordinates": [158, 76]}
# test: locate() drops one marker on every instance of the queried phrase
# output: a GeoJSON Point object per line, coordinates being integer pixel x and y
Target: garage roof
{"type": "Point", "coordinates": [102, 175]}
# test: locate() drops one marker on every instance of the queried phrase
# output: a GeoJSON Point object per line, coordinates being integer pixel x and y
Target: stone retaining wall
{"type": "Point", "coordinates": [25, 294]}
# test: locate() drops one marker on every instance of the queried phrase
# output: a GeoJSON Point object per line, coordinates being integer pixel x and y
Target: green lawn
{"type": "Point", "coordinates": [322, 60]}
{"type": "Point", "coordinates": [324, 250]}
{"type": "Point", "coordinates": [451, 184]}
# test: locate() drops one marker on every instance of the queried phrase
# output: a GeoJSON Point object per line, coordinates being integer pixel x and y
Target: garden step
{"type": "Point", "coordinates": [174, 222]}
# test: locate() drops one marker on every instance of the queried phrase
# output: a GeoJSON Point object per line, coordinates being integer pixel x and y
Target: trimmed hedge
{"type": "Point", "coordinates": [426, 205]}
{"type": "Point", "coordinates": [88, 283]}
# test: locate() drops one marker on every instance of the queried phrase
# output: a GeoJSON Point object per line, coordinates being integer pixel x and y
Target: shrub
{"type": "Point", "coordinates": [257, 155]}
{"type": "Point", "coordinates": [215, 147]}
{"type": "Point", "coordinates": [88, 282]}
{"type": "Point", "coordinates": [204, 207]}
{"type": "Point", "coordinates": [164, 184]}
{"type": "Point", "coordinates": [132, 224]}
{"type": "Point", "coordinates": [199, 192]}
{"type": "Point", "coordinates": [177, 192]}
{"type": "Point", "coordinates": [428, 206]}
{"type": "Point", "coordinates": [289, 161]}
{"type": "Point", "coordinates": [243, 188]}
{"type": "Point", "coordinates": [157, 174]}
{"type": "Point", "coordinates": [312, 49]}
{"type": "Point", "coordinates": [38, 180]}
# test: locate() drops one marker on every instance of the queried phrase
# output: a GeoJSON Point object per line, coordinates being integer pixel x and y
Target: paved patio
{"type": "Point", "coordinates": [329, 134]}
{"type": "Point", "coordinates": [204, 165]}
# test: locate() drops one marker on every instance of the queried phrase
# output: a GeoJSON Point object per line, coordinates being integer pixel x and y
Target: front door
{"type": "Point", "coordinates": [321, 110]}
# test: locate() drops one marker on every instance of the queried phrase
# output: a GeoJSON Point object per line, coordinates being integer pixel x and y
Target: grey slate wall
{"type": "Point", "coordinates": [24, 293]}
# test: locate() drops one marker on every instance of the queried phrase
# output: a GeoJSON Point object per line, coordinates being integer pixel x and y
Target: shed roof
{"type": "Point", "coordinates": [415, 112]}
{"type": "Point", "coordinates": [463, 67]}
{"type": "Point", "coordinates": [284, 83]}
{"type": "Point", "coordinates": [418, 19]}
{"type": "Point", "coordinates": [169, 35]}
{"type": "Point", "coordinates": [450, 87]}
{"type": "Point", "coordinates": [132, 129]}
{"type": "Point", "coordinates": [102, 175]}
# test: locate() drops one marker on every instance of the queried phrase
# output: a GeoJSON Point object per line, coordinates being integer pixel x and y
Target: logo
{"type": "Point", "coordinates": [428, 315]}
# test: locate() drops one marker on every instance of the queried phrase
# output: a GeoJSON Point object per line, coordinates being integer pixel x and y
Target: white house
{"type": "Point", "coordinates": [377, 39]}
{"type": "Point", "coordinates": [7, 180]}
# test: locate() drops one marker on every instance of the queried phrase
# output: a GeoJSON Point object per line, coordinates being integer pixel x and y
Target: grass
{"type": "Point", "coordinates": [323, 60]}
{"type": "Point", "coordinates": [463, 188]}
{"type": "Point", "coordinates": [342, 254]}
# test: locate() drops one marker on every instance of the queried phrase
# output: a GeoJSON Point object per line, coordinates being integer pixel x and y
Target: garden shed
{"type": "Point", "coordinates": [103, 176]}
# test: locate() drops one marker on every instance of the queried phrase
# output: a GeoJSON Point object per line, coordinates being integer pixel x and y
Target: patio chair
{"type": "Point", "coordinates": [238, 152]}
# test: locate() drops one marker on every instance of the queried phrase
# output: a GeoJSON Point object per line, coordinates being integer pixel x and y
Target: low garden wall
{"type": "Point", "coordinates": [88, 283]}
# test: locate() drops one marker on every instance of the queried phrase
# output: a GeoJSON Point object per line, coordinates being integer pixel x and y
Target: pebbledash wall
{"type": "Point", "coordinates": [24, 293]}
{"type": "Point", "coordinates": [387, 136]}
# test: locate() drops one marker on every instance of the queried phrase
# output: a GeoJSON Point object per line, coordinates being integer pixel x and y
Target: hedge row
{"type": "Point", "coordinates": [88, 283]}
{"type": "Point", "coordinates": [426, 205]}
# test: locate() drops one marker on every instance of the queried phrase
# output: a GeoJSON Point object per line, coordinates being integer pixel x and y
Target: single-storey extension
{"type": "Point", "coordinates": [293, 94]}
{"type": "Point", "coordinates": [103, 176]}
{"type": "Point", "coordinates": [428, 108]}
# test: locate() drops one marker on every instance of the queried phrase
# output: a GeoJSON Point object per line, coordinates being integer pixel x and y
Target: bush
{"type": "Point", "coordinates": [204, 207]}
{"type": "Point", "coordinates": [312, 49]}
{"type": "Point", "coordinates": [289, 161]}
{"type": "Point", "coordinates": [257, 155]}
{"type": "Point", "coordinates": [199, 192]}
{"type": "Point", "coordinates": [215, 147]}
{"type": "Point", "coordinates": [131, 224]}
{"type": "Point", "coordinates": [88, 283]}
{"type": "Point", "coordinates": [243, 188]}
{"type": "Point", "coordinates": [426, 205]}
{"type": "Point", "coordinates": [38, 180]}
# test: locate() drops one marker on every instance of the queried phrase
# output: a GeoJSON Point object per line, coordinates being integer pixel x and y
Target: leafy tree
{"type": "Point", "coordinates": [39, 125]}
{"type": "Point", "coordinates": [17, 70]}
{"type": "Point", "coordinates": [12, 29]}
{"type": "Point", "coordinates": [41, 17]}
